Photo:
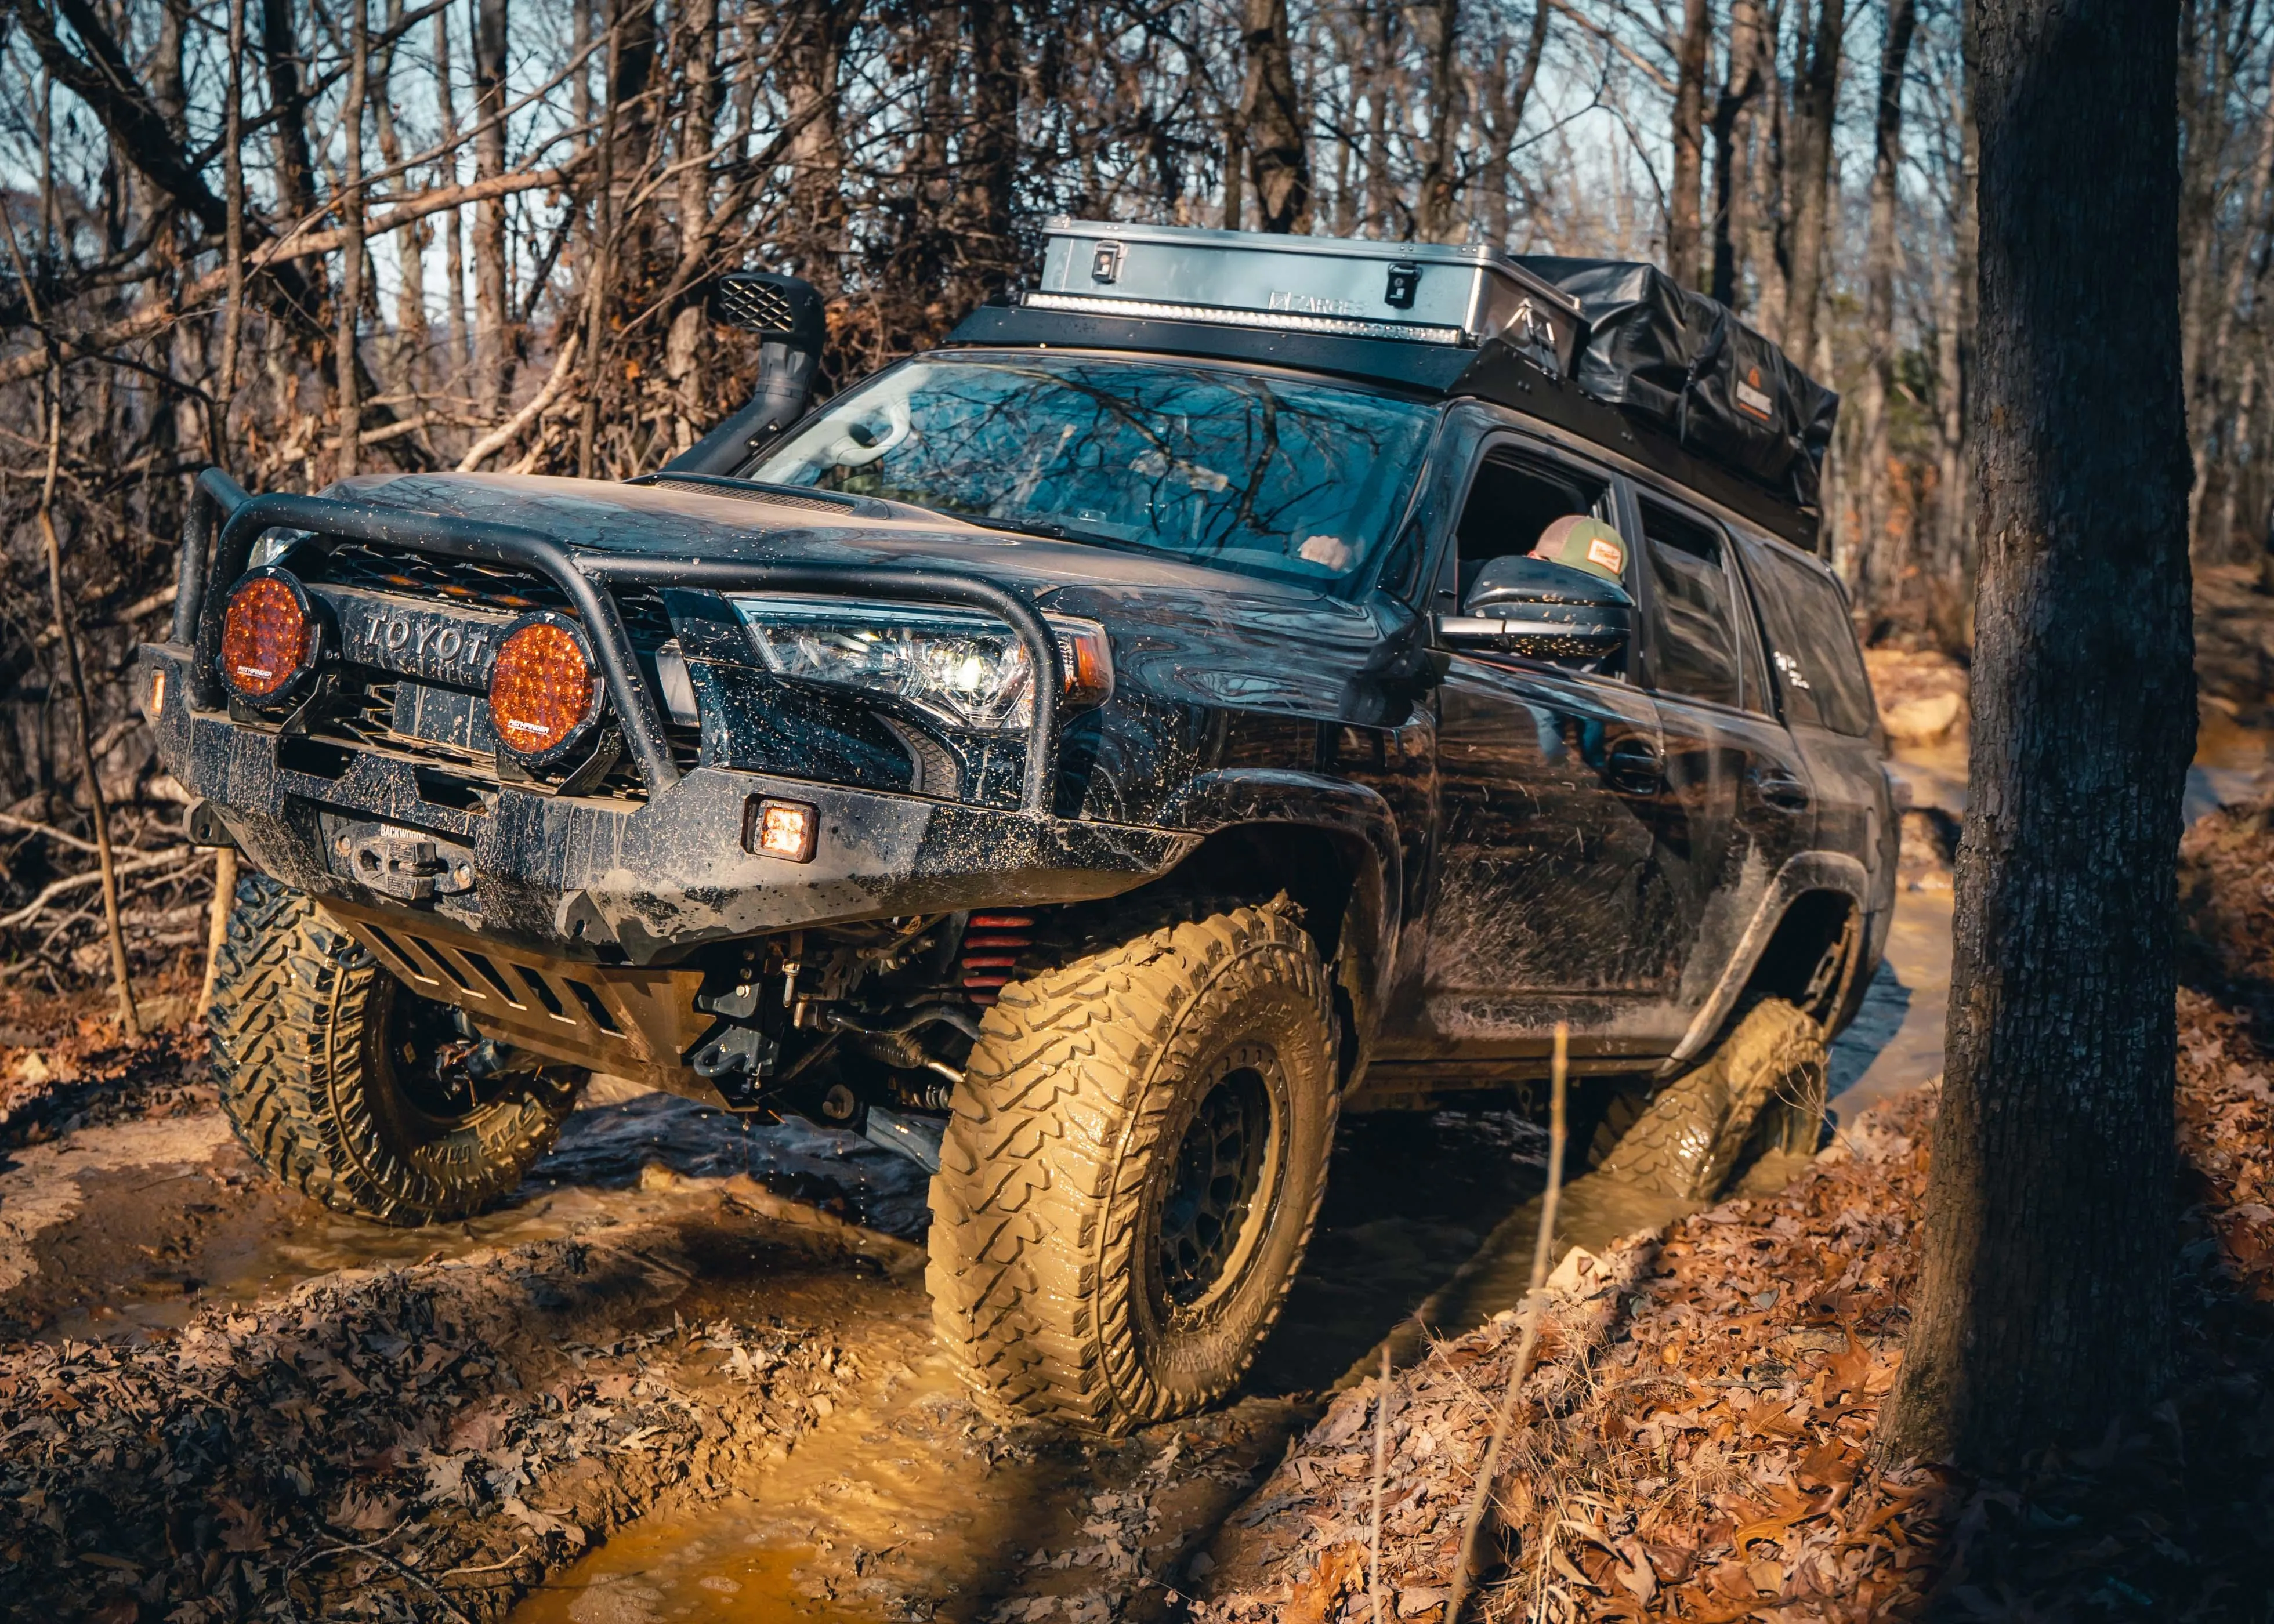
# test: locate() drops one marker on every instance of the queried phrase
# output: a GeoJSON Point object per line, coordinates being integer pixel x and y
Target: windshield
{"type": "Point", "coordinates": [1269, 476]}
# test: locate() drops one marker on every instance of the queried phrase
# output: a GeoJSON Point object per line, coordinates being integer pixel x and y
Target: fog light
{"type": "Point", "coordinates": [544, 689]}
{"type": "Point", "coordinates": [157, 694]}
{"type": "Point", "coordinates": [784, 829]}
{"type": "Point", "coordinates": [267, 637]}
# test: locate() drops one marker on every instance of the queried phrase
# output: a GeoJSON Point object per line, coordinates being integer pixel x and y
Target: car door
{"type": "Point", "coordinates": [1737, 799]}
{"type": "Point", "coordinates": [1546, 778]}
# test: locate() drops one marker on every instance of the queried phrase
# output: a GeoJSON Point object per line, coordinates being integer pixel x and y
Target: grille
{"type": "Point", "coordinates": [753, 304]}
{"type": "Point", "coordinates": [366, 707]}
{"type": "Point", "coordinates": [382, 568]}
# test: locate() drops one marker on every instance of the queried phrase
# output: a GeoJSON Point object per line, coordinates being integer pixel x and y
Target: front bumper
{"type": "Point", "coordinates": [626, 881]}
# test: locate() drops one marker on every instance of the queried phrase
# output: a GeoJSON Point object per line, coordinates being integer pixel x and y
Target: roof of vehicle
{"type": "Point", "coordinates": [1440, 319]}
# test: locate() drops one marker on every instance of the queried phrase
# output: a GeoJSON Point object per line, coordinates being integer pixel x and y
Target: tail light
{"type": "Point", "coordinates": [269, 637]}
{"type": "Point", "coordinates": [544, 689]}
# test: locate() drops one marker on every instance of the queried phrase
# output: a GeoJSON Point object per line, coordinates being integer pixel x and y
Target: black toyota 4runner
{"type": "Point", "coordinates": [1086, 757]}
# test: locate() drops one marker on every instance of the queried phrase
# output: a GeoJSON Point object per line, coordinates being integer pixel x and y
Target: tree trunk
{"type": "Point", "coordinates": [1950, 592]}
{"type": "Point", "coordinates": [493, 343]}
{"type": "Point", "coordinates": [1768, 192]}
{"type": "Point", "coordinates": [1278, 151]}
{"type": "Point", "coordinates": [1435, 219]}
{"type": "Point", "coordinates": [990, 166]}
{"type": "Point", "coordinates": [233, 241]}
{"type": "Point", "coordinates": [812, 54]}
{"type": "Point", "coordinates": [1877, 568]}
{"type": "Point", "coordinates": [350, 213]}
{"type": "Point", "coordinates": [1739, 87]}
{"type": "Point", "coordinates": [1815, 97]}
{"type": "Point", "coordinates": [295, 190]}
{"type": "Point", "coordinates": [1682, 246]}
{"type": "Point", "coordinates": [2044, 1306]}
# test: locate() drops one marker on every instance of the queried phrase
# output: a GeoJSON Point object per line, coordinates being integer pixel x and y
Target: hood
{"type": "Point", "coordinates": [1181, 631]}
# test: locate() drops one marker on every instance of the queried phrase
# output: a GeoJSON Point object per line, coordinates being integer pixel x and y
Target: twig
{"type": "Point", "coordinates": [54, 834]}
{"type": "Point", "coordinates": [1465, 1565]}
{"type": "Point", "coordinates": [498, 439]}
{"type": "Point", "coordinates": [224, 899]}
{"type": "Point", "coordinates": [33, 909]}
{"type": "Point", "coordinates": [1381, 1466]}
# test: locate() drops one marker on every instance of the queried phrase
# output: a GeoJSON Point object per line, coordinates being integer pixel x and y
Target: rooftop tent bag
{"type": "Point", "coordinates": [1684, 362]}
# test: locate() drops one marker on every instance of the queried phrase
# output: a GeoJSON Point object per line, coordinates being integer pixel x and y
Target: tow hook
{"type": "Point", "coordinates": [399, 862]}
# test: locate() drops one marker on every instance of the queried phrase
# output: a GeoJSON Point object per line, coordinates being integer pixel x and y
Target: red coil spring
{"type": "Point", "coordinates": [991, 945]}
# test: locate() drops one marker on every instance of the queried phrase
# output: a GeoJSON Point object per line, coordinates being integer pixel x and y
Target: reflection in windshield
{"type": "Point", "coordinates": [1270, 476]}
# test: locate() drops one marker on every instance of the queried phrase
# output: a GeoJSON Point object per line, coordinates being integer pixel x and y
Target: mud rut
{"type": "Point", "coordinates": [687, 1373]}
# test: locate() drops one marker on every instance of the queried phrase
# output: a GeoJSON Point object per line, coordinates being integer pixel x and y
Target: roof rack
{"type": "Point", "coordinates": [1454, 296]}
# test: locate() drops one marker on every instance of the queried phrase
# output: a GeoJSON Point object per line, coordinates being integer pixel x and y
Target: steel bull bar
{"type": "Point", "coordinates": [225, 522]}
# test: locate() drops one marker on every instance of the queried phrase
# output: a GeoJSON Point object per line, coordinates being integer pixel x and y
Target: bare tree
{"type": "Point", "coordinates": [2045, 1307]}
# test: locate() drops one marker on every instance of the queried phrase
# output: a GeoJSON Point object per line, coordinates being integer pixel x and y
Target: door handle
{"type": "Point", "coordinates": [1780, 789]}
{"type": "Point", "coordinates": [1634, 767]}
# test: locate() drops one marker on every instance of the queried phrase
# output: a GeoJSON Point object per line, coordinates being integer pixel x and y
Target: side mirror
{"type": "Point", "coordinates": [786, 312]}
{"type": "Point", "coordinates": [1540, 610]}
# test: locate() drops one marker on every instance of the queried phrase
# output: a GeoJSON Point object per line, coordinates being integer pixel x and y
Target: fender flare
{"type": "Point", "coordinates": [1270, 797]}
{"type": "Point", "coordinates": [1802, 873]}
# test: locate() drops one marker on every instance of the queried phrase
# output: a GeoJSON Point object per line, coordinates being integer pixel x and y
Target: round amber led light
{"type": "Point", "coordinates": [540, 690]}
{"type": "Point", "coordinates": [264, 637]}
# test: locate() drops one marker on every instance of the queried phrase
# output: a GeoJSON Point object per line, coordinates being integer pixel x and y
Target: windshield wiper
{"type": "Point", "coordinates": [1043, 528]}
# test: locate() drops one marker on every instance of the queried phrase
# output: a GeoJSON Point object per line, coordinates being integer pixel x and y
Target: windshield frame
{"type": "Point", "coordinates": [1358, 583]}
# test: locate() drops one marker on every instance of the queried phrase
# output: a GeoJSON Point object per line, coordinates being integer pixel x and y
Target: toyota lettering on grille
{"type": "Point", "coordinates": [452, 646]}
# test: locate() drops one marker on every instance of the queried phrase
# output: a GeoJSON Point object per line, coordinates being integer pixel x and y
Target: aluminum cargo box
{"type": "Point", "coordinates": [1456, 295]}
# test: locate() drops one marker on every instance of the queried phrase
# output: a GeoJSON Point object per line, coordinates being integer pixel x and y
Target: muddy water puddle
{"type": "Point", "coordinates": [900, 1500]}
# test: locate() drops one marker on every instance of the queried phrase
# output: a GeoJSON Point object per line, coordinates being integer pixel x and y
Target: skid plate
{"type": "Point", "coordinates": [621, 1020]}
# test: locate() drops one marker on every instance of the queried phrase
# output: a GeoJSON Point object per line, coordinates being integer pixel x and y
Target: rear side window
{"type": "Point", "coordinates": [1819, 670]}
{"type": "Point", "coordinates": [1693, 647]}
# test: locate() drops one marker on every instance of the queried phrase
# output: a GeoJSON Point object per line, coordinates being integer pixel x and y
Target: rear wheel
{"type": "Point", "coordinates": [1762, 1087]}
{"type": "Point", "coordinates": [1134, 1163]}
{"type": "Point", "coordinates": [354, 1090]}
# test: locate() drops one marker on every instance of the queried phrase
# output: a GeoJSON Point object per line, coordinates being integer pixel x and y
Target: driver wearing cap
{"type": "Point", "coordinates": [1583, 543]}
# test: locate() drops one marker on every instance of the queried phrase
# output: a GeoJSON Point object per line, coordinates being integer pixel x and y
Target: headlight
{"type": "Point", "coordinates": [968, 669]}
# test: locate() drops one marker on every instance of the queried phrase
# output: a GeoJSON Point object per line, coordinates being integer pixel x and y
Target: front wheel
{"type": "Point", "coordinates": [1136, 1157]}
{"type": "Point", "coordinates": [354, 1090]}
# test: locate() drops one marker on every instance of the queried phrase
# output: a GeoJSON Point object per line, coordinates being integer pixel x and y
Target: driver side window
{"type": "Point", "coordinates": [1513, 501]}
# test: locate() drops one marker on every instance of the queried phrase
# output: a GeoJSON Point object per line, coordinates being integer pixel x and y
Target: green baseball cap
{"type": "Point", "coordinates": [1584, 543]}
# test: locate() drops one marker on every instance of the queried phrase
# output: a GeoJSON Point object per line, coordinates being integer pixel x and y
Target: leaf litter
{"type": "Point", "coordinates": [1695, 1438]}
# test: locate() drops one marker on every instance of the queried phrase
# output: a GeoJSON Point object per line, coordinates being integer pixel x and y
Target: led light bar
{"type": "Point", "coordinates": [1285, 321]}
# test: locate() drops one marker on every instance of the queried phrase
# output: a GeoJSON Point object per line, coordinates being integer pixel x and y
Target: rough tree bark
{"type": "Point", "coordinates": [1683, 251]}
{"type": "Point", "coordinates": [1878, 569]}
{"type": "Point", "coordinates": [2045, 1305]}
{"type": "Point", "coordinates": [1279, 154]}
{"type": "Point", "coordinates": [1815, 104]}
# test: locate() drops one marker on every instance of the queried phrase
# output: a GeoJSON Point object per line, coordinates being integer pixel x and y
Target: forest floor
{"type": "Point", "coordinates": [1693, 1441]}
{"type": "Point", "coordinates": [686, 1372]}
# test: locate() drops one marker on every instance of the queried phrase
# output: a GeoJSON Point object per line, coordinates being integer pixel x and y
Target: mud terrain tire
{"type": "Point", "coordinates": [300, 1021]}
{"type": "Point", "coordinates": [1763, 1085]}
{"type": "Point", "coordinates": [1116, 1099]}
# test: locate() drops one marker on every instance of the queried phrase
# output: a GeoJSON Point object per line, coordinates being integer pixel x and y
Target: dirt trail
{"type": "Point", "coordinates": [746, 1419]}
